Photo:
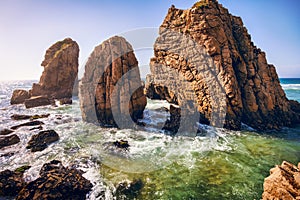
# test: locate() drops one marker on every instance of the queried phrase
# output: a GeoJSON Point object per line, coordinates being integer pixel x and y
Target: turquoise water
{"type": "Point", "coordinates": [232, 165]}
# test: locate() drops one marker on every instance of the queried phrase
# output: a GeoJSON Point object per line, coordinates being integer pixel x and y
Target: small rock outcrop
{"type": "Point", "coordinates": [37, 101]}
{"type": "Point", "coordinates": [57, 182]}
{"type": "Point", "coordinates": [31, 123]}
{"type": "Point", "coordinates": [58, 78]}
{"type": "Point", "coordinates": [19, 96]}
{"type": "Point", "coordinates": [283, 183]}
{"type": "Point", "coordinates": [9, 140]}
{"type": "Point", "coordinates": [111, 92]}
{"type": "Point", "coordinates": [224, 72]}
{"type": "Point", "coordinates": [41, 141]}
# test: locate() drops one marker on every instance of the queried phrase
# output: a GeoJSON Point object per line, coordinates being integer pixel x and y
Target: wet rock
{"type": "Point", "coordinates": [36, 128]}
{"type": "Point", "coordinates": [56, 182]}
{"type": "Point", "coordinates": [19, 96]}
{"type": "Point", "coordinates": [111, 92]}
{"type": "Point", "coordinates": [283, 183]}
{"type": "Point", "coordinates": [11, 182]}
{"type": "Point", "coordinates": [129, 190]}
{"type": "Point", "coordinates": [41, 141]}
{"type": "Point", "coordinates": [32, 123]}
{"type": "Point", "coordinates": [122, 144]}
{"type": "Point", "coordinates": [6, 131]}
{"type": "Point", "coordinates": [31, 117]}
{"type": "Point", "coordinates": [172, 124]}
{"type": "Point", "coordinates": [205, 54]}
{"type": "Point", "coordinates": [65, 101]}
{"type": "Point", "coordinates": [37, 101]}
{"type": "Point", "coordinates": [9, 140]}
{"type": "Point", "coordinates": [58, 78]}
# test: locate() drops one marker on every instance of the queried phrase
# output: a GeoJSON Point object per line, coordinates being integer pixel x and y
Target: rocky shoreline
{"type": "Point", "coordinates": [227, 83]}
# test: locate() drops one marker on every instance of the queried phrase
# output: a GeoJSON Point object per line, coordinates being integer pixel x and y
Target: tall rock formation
{"type": "Point", "coordinates": [58, 78]}
{"type": "Point", "coordinates": [228, 76]}
{"type": "Point", "coordinates": [111, 92]}
{"type": "Point", "coordinates": [60, 70]}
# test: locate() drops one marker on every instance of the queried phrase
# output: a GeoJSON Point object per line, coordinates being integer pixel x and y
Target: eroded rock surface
{"type": "Point", "coordinates": [283, 183]}
{"type": "Point", "coordinates": [58, 78]}
{"type": "Point", "coordinates": [11, 182]}
{"type": "Point", "coordinates": [223, 71]}
{"type": "Point", "coordinates": [111, 93]}
{"type": "Point", "coordinates": [56, 182]}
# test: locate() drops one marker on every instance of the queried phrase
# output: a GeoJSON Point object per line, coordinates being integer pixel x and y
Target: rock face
{"type": "Point", "coordinates": [111, 92]}
{"type": "Point", "coordinates": [19, 96]}
{"type": "Point", "coordinates": [56, 182]}
{"type": "Point", "coordinates": [212, 50]}
{"type": "Point", "coordinates": [58, 78]}
{"type": "Point", "coordinates": [283, 182]}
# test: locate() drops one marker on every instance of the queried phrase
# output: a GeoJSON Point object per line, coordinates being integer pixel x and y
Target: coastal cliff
{"type": "Point", "coordinates": [219, 61]}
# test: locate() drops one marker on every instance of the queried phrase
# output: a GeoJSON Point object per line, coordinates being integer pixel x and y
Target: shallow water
{"type": "Point", "coordinates": [232, 165]}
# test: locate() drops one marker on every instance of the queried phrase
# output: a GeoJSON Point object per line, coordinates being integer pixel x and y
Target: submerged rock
{"type": "Point", "coordinates": [32, 117]}
{"type": "Point", "coordinates": [57, 182]}
{"type": "Point", "coordinates": [41, 141]}
{"type": "Point", "coordinates": [283, 183]}
{"type": "Point", "coordinates": [129, 190]}
{"type": "Point", "coordinates": [19, 96]}
{"type": "Point", "coordinates": [9, 140]}
{"type": "Point", "coordinates": [32, 123]}
{"type": "Point", "coordinates": [122, 144]}
{"type": "Point", "coordinates": [220, 69]}
{"type": "Point", "coordinates": [11, 182]}
{"type": "Point", "coordinates": [111, 92]}
{"type": "Point", "coordinates": [58, 78]}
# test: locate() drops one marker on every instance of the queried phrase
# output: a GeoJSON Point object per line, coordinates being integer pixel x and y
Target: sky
{"type": "Point", "coordinates": [29, 27]}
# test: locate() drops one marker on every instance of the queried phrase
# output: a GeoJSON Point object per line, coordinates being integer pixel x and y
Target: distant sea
{"type": "Point", "coordinates": [232, 165]}
{"type": "Point", "coordinates": [291, 87]}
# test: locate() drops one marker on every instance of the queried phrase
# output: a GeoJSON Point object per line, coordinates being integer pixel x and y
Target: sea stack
{"type": "Point", "coordinates": [111, 92]}
{"type": "Point", "coordinates": [226, 62]}
{"type": "Point", "coordinates": [58, 78]}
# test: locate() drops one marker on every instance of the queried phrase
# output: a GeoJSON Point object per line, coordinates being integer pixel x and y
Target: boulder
{"type": "Point", "coordinates": [37, 101]}
{"type": "Point", "coordinates": [283, 183]}
{"type": "Point", "coordinates": [19, 96]}
{"type": "Point", "coordinates": [41, 141]}
{"type": "Point", "coordinates": [205, 55]}
{"type": "Point", "coordinates": [9, 140]}
{"type": "Point", "coordinates": [57, 182]}
{"type": "Point", "coordinates": [58, 78]}
{"type": "Point", "coordinates": [111, 92]}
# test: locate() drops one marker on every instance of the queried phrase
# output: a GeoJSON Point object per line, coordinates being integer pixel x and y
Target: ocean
{"type": "Point", "coordinates": [231, 165]}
